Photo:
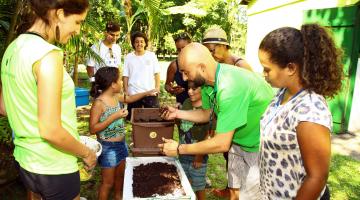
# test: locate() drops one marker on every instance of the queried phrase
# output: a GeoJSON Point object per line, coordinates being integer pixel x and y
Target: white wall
{"type": "Point", "coordinates": [354, 122]}
{"type": "Point", "coordinates": [261, 23]}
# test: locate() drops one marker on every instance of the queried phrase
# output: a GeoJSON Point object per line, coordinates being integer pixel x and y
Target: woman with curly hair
{"type": "Point", "coordinates": [295, 129]}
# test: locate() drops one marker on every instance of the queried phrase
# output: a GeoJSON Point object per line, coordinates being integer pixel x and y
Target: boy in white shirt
{"type": "Point", "coordinates": [107, 49]}
{"type": "Point", "coordinates": [141, 73]}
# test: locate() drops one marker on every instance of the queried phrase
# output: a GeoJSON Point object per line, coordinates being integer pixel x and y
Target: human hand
{"type": "Point", "coordinates": [122, 113]}
{"type": "Point", "coordinates": [153, 92]}
{"type": "Point", "coordinates": [198, 160]}
{"type": "Point", "coordinates": [90, 160]}
{"type": "Point", "coordinates": [169, 147]}
{"type": "Point", "coordinates": [178, 89]}
{"type": "Point", "coordinates": [168, 112]}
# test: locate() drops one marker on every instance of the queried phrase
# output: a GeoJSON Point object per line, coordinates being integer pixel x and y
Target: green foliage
{"type": "Point", "coordinates": [5, 131]}
{"type": "Point", "coordinates": [7, 8]}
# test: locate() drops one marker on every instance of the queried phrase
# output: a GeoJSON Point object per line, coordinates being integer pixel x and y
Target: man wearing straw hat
{"type": "Point", "coordinates": [238, 98]}
{"type": "Point", "coordinates": [215, 40]}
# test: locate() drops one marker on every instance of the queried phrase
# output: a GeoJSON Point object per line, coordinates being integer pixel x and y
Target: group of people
{"type": "Point", "coordinates": [278, 145]}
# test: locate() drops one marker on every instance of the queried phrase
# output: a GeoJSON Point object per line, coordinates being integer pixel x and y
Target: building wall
{"type": "Point", "coordinates": [263, 18]}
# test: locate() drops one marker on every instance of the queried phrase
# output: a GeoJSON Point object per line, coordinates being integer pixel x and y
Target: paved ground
{"type": "Point", "coordinates": [347, 144]}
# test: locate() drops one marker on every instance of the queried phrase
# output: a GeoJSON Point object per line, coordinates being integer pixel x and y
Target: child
{"type": "Point", "coordinates": [107, 122]}
{"type": "Point", "coordinates": [194, 165]}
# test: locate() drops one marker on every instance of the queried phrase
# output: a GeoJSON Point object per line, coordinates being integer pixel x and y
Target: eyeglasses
{"type": "Point", "coordinates": [111, 53]}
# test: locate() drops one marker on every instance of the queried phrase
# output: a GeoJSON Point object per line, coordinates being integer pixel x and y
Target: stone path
{"type": "Point", "coordinates": [347, 144]}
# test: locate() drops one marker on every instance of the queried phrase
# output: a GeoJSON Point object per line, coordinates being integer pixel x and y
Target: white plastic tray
{"type": "Point", "coordinates": [132, 162]}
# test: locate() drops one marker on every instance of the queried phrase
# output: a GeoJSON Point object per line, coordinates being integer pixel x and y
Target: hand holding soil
{"type": "Point", "coordinates": [169, 147]}
{"type": "Point", "coordinates": [168, 112]}
{"type": "Point", "coordinates": [178, 89]}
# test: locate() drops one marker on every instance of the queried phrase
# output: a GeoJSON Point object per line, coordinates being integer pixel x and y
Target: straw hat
{"type": "Point", "coordinates": [215, 35]}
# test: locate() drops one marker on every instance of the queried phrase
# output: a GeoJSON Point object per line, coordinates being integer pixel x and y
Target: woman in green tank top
{"type": "Point", "coordinates": [40, 102]}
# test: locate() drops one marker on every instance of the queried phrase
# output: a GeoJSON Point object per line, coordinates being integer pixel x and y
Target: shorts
{"type": "Point", "coordinates": [240, 164]}
{"type": "Point", "coordinates": [52, 187]}
{"type": "Point", "coordinates": [112, 153]}
{"type": "Point", "coordinates": [196, 176]}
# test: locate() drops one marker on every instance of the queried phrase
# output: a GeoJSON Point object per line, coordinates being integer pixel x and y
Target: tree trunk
{"type": "Point", "coordinates": [128, 13]}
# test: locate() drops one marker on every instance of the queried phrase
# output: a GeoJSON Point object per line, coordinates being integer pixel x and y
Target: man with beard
{"type": "Point", "coordinates": [107, 49]}
{"type": "Point", "coordinates": [238, 98]}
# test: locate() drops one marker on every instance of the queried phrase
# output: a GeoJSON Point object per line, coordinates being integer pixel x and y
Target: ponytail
{"type": "Point", "coordinates": [322, 70]}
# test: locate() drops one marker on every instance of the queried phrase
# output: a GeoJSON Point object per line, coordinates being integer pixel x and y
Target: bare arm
{"type": "Point", "coordinates": [197, 116]}
{"type": "Point", "coordinates": [219, 143]}
{"type": "Point", "coordinates": [2, 105]}
{"type": "Point", "coordinates": [315, 148]}
{"type": "Point", "coordinates": [243, 64]}
{"type": "Point", "coordinates": [126, 84]}
{"type": "Point", "coordinates": [157, 81]}
{"type": "Point", "coordinates": [135, 97]}
{"type": "Point", "coordinates": [170, 77]}
{"type": "Point", "coordinates": [49, 74]}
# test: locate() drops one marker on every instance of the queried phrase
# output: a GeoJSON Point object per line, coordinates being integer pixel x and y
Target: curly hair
{"type": "Point", "coordinates": [104, 77]}
{"type": "Point", "coordinates": [136, 35]}
{"type": "Point", "coordinates": [313, 49]}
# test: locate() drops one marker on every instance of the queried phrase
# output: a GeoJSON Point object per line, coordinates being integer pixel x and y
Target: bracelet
{"type": "Point", "coordinates": [177, 149]}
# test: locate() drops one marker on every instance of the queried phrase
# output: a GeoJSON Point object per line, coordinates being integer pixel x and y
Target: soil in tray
{"type": "Point", "coordinates": [155, 179]}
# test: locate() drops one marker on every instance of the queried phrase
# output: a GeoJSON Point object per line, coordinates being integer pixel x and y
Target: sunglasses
{"type": "Point", "coordinates": [111, 53]}
{"type": "Point", "coordinates": [181, 36]}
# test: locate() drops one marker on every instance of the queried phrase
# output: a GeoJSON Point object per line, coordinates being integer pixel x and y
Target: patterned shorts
{"type": "Point", "coordinates": [243, 166]}
{"type": "Point", "coordinates": [112, 153]}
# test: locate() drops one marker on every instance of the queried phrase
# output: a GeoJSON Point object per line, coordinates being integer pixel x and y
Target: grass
{"type": "Point", "coordinates": [344, 178]}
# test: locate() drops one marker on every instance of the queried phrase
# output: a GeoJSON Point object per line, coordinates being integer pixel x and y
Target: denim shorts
{"type": "Point", "coordinates": [112, 153]}
{"type": "Point", "coordinates": [196, 176]}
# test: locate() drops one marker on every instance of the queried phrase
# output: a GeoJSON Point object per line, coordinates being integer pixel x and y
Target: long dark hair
{"type": "Point", "coordinates": [313, 49]}
{"type": "Point", "coordinates": [104, 77]}
{"type": "Point", "coordinates": [40, 9]}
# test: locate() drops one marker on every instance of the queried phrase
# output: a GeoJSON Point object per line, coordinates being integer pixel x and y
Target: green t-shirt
{"type": "Point", "coordinates": [241, 98]}
{"type": "Point", "coordinates": [20, 97]}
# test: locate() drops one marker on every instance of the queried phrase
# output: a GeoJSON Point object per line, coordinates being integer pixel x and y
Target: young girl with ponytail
{"type": "Point", "coordinates": [107, 121]}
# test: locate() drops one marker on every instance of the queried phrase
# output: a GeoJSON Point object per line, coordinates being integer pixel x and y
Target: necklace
{"type": "Point", "coordinates": [35, 33]}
